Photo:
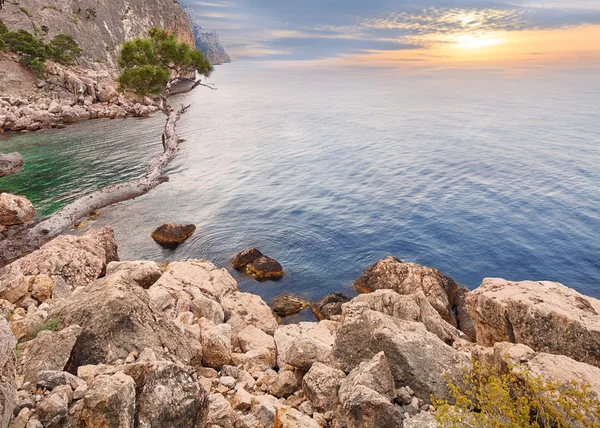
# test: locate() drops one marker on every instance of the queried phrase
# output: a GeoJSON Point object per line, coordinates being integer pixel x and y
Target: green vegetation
{"type": "Point", "coordinates": [50, 6]}
{"type": "Point", "coordinates": [19, 350]}
{"type": "Point", "coordinates": [9, 315]}
{"type": "Point", "coordinates": [50, 325]}
{"type": "Point", "coordinates": [34, 51]}
{"type": "Point", "coordinates": [146, 63]}
{"type": "Point", "coordinates": [517, 399]}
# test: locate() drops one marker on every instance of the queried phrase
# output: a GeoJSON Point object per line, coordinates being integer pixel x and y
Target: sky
{"type": "Point", "coordinates": [411, 33]}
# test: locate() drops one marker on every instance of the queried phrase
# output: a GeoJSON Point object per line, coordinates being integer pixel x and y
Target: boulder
{"type": "Point", "coordinates": [170, 235]}
{"type": "Point", "coordinates": [203, 307]}
{"type": "Point", "coordinates": [445, 295]}
{"type": "Point", "coordinates": [285, 306]}
{"type": "Point", "coordinates": [110, 402]}
{"type": "Point", "coordinates": [48, 351]}
{"type": "Point", "coordinates": [243, 309]}
{"type": "Point", "coordinates": [288, 417]}
{"type": "Point", "coordinates": [321, 385]}
{"type": "Point", "coordinates": [53, 408]}
{"type": "Point", "coordinates": [254, 339]}
{"type": "Point", "coordinates": [411, 307]}
{"type": "Point", "coordinates": [374, 374]}
{"type": "Point", "coordinates": [365, 408]}
{"type": "Point", "coordinates": [284, 384]}
{"type": "Point", "coordinates": [196, 278]}
{"type": "Point", "coordinates": [7, 373]}
{"type": "Point", "coordinates": [327, 306]}
{"type": "Point", "coordinates": [416, 357]}
{"type": "Point", "coordinates": [546, 316]}
{"type": "Point", "coordinates": [15, 209]}
{"type": "Point", "coordinates": [51, 379]}
{"type": "Point", "coordinates": [167, 395]}
{"type": "Point", "coordinates": [216, 343]}
{"type": "Point", "coordinates": [74, 260]}
{"type": "Point", "coordinates": [144, 272]}
{"type": "Point", "coordinates": [301, 345]}
{"type": "Point", "coordinates": [257, 265]}
{"type": "Point", "coordinates": [117, 317]}
{"type": "Point", "coordinates": [220, 412]}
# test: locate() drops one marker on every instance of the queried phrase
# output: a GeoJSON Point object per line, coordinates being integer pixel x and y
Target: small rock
{"type": "Point", "coordinates": [328, 306]}
{"type": "Point", "coordinates": [285, 306]}
{"type": "Point", "coordinates": [228, 381]}
{"type": "Point", "coordinates": [170, 235]}
{"type": "Point", "coordinates": [15, 209]}
{"type": "Point", "coordinates": [284, 384]}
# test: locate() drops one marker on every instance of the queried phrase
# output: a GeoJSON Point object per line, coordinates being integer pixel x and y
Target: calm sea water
{"type": "Point", "coordinates": [478, 174]}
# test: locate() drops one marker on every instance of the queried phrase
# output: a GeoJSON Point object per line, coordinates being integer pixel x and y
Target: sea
{"type": "Point", "coordinates": [478, 173]}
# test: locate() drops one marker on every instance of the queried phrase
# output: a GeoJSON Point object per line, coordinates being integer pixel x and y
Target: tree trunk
{"type": "Point", "coordinates": [10, 164]}
{"type": "Point", "coordinates": [31, 239]}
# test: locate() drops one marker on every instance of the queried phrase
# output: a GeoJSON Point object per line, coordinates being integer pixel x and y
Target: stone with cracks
{"type": "Point", "coordinates": [365, 408]}
{"type": "Point", "coordinates": [288, 417]}
{"type": "Point", "coordinates": [445, 295]}
{"type": "Point", "coordinates": [117, 317]}
{"type": "Point", "coordinates": [546, 316]}
{"type": "Point", "coordinates": [15, 209]}
{"type": "Point", "coordinates": [144, 272]}
{"type": "Point", "coordinates": [203, 307]}
{"type": "Point", "coordinates": [253, 339]}
{"type": "Point", "coordinates": [216, 343]}
{"type": "Point", "coordinates": [374, 374]}
{"type": "Point", "coordinates": [110, 402]}
{"type": "Point", "coordinates": [249, 309]}
{"type": "Point", "coordinates": [321, 385]}
{"type": "Point", "coordinates": [417, 358]}
{"type": "Point", "coordinates": [302, 345]}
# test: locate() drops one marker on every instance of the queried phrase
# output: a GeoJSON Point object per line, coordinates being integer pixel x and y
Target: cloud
{"type": "Point", "coordinates": [311, 29]}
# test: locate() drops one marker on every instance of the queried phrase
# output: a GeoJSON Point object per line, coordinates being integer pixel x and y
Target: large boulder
{"type": "Point", "coordinates": [416, 357]}
{"type": "Point", "coordinates": [15, 209]}
{"type": "Point", "coordinates": [170, 235]}
{"type": "Point", "coordinates": [144, 272]}
{"type": "Point", "coordinates": [110, 402]}
{"type": "Point", "coordinates": [321, 385]}
{"type": "Point", "coordinates": [117, 317]}
{"type": "Point", "coordinates": [68, 260]}
{"type": "Point", "coordinates": [196, 278]}
{"type": "Point", "coordinates": [7, 373]}
{"type": "Point", "coordinates": [444, 294]}
{"type": "Point", "coordinates": [243, 309]}
{"type": "Point", "coordinates": [167, 395]}
{"type": "Point", "coordinates": [411, 307]}
{"type": "Point", "coordinates": [374, 374]}
{"type": "Point", "coordinates": [301, 345]}
{"type": "Point", "coordinates": [546, 316]}
{"type": "Point", "coordinates": [366, 408]}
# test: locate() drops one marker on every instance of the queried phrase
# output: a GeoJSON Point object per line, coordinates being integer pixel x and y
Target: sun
{"type": "Point", "coordinates": [476, 41]}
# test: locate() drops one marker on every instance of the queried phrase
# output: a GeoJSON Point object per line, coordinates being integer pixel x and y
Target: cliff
{"type": "Point", "coordinates": [87, 90]}
{"type": "Point", "coordinates": [207, 41]}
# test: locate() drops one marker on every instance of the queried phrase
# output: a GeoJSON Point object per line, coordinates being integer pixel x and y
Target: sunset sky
{"type": "Point", "coordinates": [397, 33]}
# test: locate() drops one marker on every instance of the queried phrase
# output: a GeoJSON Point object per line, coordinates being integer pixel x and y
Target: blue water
{"type": "Point", "coordinates": [479, 174]}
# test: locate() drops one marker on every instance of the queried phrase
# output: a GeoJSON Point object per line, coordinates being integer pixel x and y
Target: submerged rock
{"type": "Point", "coordinates": [257, 265]}
{"type": "Point", "coordinates": [328, 306]}
{"type": "Point", "coordinates": [170, 235]}
{"type": "Point", "coordinates": [285, 306]}
{"type": "Point", "coordinates": [547, 316]}
{"type": "Point", "coordinates": [15, 209]}
{"type": "Point", "coordinates": [445, 295]}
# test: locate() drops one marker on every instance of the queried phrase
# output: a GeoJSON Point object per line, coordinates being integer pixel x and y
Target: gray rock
{"type": "Point", "coordinates": [374, 374]}
{"type": "Point", "coordinates": [416, 357]}
{"type": "Point", "coordinates": [365, 408]}
{"type": "Point", "coordinates": [321, 385]}
{"type": "Point", "coordinates": [53, 409]}
{"type": "Point", "coordinates": [50, 379]}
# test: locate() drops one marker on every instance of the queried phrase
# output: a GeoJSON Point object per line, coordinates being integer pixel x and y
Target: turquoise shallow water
{"type": "Point", "coordinates": [475, 173]}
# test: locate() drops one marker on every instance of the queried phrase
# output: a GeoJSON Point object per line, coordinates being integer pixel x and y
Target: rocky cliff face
{"type": "Point", "coordinates": [208, 41]}
{"type": "Point", "coordinates": [98, 27]}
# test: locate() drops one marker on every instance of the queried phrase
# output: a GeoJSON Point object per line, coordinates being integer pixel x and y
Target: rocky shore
{"type": "Point", "coordinates": [87, 340]}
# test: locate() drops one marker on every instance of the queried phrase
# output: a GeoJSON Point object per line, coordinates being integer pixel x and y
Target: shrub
{"type": "Point", "coordinates": [516, 399]}
{"type": "Point", "coordinates": [50, 325]}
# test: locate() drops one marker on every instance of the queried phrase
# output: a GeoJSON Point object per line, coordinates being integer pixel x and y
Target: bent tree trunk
{"type": "Point", "coordinates": [10, 163]}
{"type": "Point", "coordinates": [31, 239]}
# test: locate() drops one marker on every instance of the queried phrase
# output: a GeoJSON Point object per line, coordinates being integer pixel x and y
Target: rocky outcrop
{"type": "Point", "coordinates": [546, 316]}
{"type": "Point", "coordinates": [417, 358]}
{"type": "Point", "coordinates": [445, 295]}
{"type": "Point", "coordinates": [144, 272]}
{"type": "Point", "coordinates": [207, 42]}
{"type": "Point", "coordinates": [59, 266]}
{"type": "Point", "coordinates": [7, 373]}
{"type": "Point", "coordinates": [117, 317]}
{"type": "Point", "coordinates": [170, 235]}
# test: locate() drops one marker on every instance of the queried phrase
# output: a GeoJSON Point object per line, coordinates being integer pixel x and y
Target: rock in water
{"type": "Point", "coordinates": [445, 295]}
{"type": "Point", "coordinates": [285, 306]}
{"type": "Point", "coordinates": [547, 316]}
{"type": "Point", "coordinates": [7, 373]}
{"type": "Point", "coordinates": [257, 265]}
{"type": "Point", "coordinates": [170, 235]}
{"type": "Point", "coordinates": [326, 307]}
{"type": "Point", "coordinates": [15, 209]}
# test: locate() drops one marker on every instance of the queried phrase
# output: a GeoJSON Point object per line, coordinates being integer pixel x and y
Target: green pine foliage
{"type": "Point", "coordinates": [147, 63]}
{"type": "Point", "coordinates": [34, 51]}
